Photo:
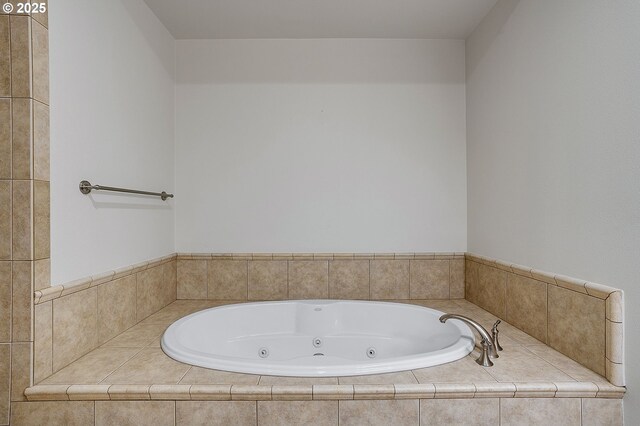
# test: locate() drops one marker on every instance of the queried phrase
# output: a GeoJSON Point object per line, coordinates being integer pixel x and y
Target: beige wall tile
{"type": "Point", "coordinates": [41, 164]}
{"type": "Point", "coordinates": [70, 413]}
{"type": "Point", "coordinates": [93, 367]}
{"type": "Point", "coordinates": [267, 280]}
{"type": "Point", "coordinates": [5, 382]}
{"type": "Point", "coordinates": [5, 58]}
{"type": "Point", "coordinates": [40, 43]}
{"type": "Point", "coordinates": [21, 221]}
{"type": "Point", "coordinates": [540, 411]}
{"type": "Point", "coordinates": [138, 336]}
{"type": "Point", "coordinates": [308, 279]}
{"type": "Point", "coordinates": [520, 365]}
{"type": "Point", "coordinates": [227, 279]}
{"type": "Point", "coordinates": [5, 125]}
{"type": "Point", "coordinates": [41, 219]}
{"type": "Point", "coordinates": [21, 296]}
{"type": "Point", "coordinates": [5, 301]}
{"type": "Point", "coordinates": [401, 377]}
{"type": "Point", "coordinates": [298, 412]}
{"type": "Point", "coordinates": [139, 413]}
{"type": "Point", "coordinates": [21, 369]}
{"type": "Point", "coordinates": [170, 275]}
{"type": "Point", "coordinates": [462, 371]}
{"type": "Point", "coordinates": [389, 412]}
{"type": "Point", "coordinates": [150, 366]}
{"type": "Point", "coordinates": [456, 278]}
{"type": "Point", "coordinates": [43, 18]}
{"type": "Point", "coordinates": [297, 381]}
{"type": "Point", "coordinates": [598, 412]}
{"type": "Point", "coordinates": [43, 342]}
{"type": "Point", "coordinates": [116, 307]}
{"type": "Point", "coordinates": [389, 279]}
{"type": "Point", "coordinates": [22, 138]}
{"type": "Point", "coordinates": [223, 413]}
{"type": "Point", "coordinates": [5, 220]}
{"type": "Point", "coordinates": [429, 279]}
{"type": "Point", "coordinates": [192, 279]}
{"type": "Point", "coordinates": [349, 279]}
{"type": "Point", "coordinates": [206, 376]}
{"type": "Point", "coordinates": [565, 364]}
{"type": "Point", "coordinates": [20, 56]}
{"type": "Point", "coordinates": [492, 290]}
{"type": "Point", "coordinates": [585, 344]}
{"type": "Point", "coordinates": [42, 274]}
{"type": "Point", "coordinates": [527, 305]}
{"type": "Point", "coordinates": [471, 283]}
{"type": "Point", "coordinates": [460, 412]}
{"type": "Point", "coordinates": [75, 330]}
{"type": "Point", "coordinates": [154, 290]}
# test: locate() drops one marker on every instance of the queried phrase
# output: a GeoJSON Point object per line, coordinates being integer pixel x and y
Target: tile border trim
{"type": "Point", "coordinates": [322, 392]}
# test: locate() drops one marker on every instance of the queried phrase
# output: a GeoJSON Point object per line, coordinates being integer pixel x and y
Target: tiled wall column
{"type": "Point", "coordinates": [24, 193]}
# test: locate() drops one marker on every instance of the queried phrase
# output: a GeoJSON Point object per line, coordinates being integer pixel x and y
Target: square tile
{"type": "Point", "coordinates": [20, 56]}
{"type": "Point", "coordinates": [540, 411]}
{"type": "Point", "coordinates": [5, 381]}
{"type": "Point", "coordinates": [40, 61]}
{"type": "Point", "coordinates": [41, 219]}
{"type": "Point", "coordinates": [139, 413]}
{"type": "Point", "coordinates": [349, 279]}
{"type": "Point", "coordinates": [5, 220]}
{"type": "Point", "coordinates": [5, 58]}
{"type": "Point", "coordinates": [138, 336]}
{"type": "Point", "coordinates": [600, 411]}
{"type": "Point", "coordinates": [5, 124]}
{"type": "Point", "coordinates": [93, 367]}
{"type": "Point", "coordinates": [116, 307]}
{"type": "Point", "coordinates": [298, 412]}
{"type": "Point", "coordinates": [21, 222]}
{"type": "Point", "coordinates": [22, 296]}
{"type": "Point", "coordinates": [206, 376]}
{"type": "Point", "coordinates": [22, 138]}
{"type": "Point", "coordinates": [585, 344]}
{"type": "Point", "coordinates": [149, 366]}
{"type": "Point", "coordinates": [227, 279]}
{"type": "Point", "coordinates": [41, 163]}
{"type": "Point", "coordinates": [460, 412]}
{"type": "Point", "coordinates": [5, 301]}
{"type": "Point", "coordinates": [192, 279]}
{"type": "Point", "coordinates": [389, 279]}
{"type": "Point", "coordinates": [492, 286]}
{"type": "Point", "coordinates": [68, 413]}
{"type": "Point", "coordinates": [21, 369]}
{"type": "Point", "coordinates": [382, 412]}
{"type": "Point", "coordinates": [527, 305]}
{"type": "Point", "coordinates": [75, 328]}
{"type": "Point", "coordinates": [223, 413]}
{"type": "Point", "coordinates": [43, 344]}
{"type": "Point", "coordinates": [429, 279]}
{"type": "Point", "coordinates": [268, 280]}
{"type": "Point", "coordinates": [308, 279]}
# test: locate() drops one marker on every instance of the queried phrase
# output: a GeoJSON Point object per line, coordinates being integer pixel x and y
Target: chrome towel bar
{"type": "Point", "coordinates": [86, 188]}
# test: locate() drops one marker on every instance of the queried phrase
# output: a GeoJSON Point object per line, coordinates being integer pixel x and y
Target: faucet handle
{"type": "Point", "coordinates": [494, 332]}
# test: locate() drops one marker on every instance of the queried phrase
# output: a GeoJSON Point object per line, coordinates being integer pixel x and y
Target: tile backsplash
{"type": "Point", "coordinates": [582, 320]}
{"type": "Point", "coordinates": [266, 276]}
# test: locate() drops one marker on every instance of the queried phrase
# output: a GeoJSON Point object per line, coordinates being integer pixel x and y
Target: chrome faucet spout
{"type": "Point", "coordinates": [488, 346]}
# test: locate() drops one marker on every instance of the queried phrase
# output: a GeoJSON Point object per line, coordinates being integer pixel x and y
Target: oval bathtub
{"type": "Point", "coordinates": [314, 338]}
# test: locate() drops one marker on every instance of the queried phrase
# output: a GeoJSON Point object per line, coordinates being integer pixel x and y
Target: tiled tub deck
{"type": "Point", "coordinates": [529, 378]}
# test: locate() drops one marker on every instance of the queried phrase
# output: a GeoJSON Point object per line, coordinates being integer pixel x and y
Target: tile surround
{"type": "Point", "coordinates": [265, 276]}
{"type": "Point", "coordinates": [534, 298]}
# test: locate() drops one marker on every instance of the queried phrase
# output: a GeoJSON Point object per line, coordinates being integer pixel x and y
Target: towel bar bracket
{"type": "Point", "coordinates": [86, 188]}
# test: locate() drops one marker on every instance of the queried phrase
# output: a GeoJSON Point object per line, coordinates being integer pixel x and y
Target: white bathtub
{"type": "Point", "coordinates": [317, 338]}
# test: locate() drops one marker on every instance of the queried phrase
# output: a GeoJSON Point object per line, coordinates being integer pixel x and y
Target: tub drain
{"type": "Point", "coordinates": [371, 352]}
{"type": "Point", "coordinates": [317, 342]}
{"type": "Point", "coordinates": [263, 352]}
